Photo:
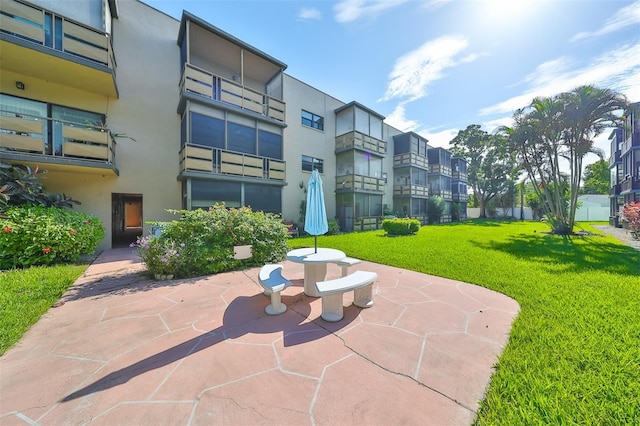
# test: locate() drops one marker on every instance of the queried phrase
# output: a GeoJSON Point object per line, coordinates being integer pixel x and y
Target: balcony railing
{"type": "Point", "coordinates": [440, 169]}
{"type": "Point", "coordinates": [445, 194]}
{"type": "Point", "coordinates": [204, 83]}
{"type": "Point", "coordinates": [459, 197]}
{"type": "Point", "coordinates": [200, 158]}
{"type": "Point", "coordinates": [631, 142]}
{"type": "Point", "coordinates": [359, 183]}
{"type": "Point", "coordinates": [410, 191]}
{"type": "Point", "coordinates": [615, 190]}
{"type": "Point", "coordinates": [615, 158]}
{"type": "Point", "coordinates": [360, 140]}
{"type": "Point", "coordinates": [34, 136]}
{"type": "Point", "coordinates": [459, 175]}
{"type": "Point", "coordinates": [410, 159]}
{"type": "Point", "coordinates": [30, 22]}
{"type": "Point", "coordinates": [367, 223]}
{"type": "Point", "coordinates": [631, 183]}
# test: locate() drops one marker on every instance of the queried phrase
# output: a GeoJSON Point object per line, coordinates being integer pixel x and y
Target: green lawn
{"type": "Point", "coordinates": [27, 294]}
{"type": "Point", "coordinates": [573, 355]}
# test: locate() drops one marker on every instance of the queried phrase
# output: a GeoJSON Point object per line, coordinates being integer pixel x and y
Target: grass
{"type": "Point", "coordinates": [26, 294]}
{"type": "Point", "coordinates": [573, 355]}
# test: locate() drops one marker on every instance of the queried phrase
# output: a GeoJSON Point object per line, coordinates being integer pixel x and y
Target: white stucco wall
{"type": "Point", "coordinates": [301, 140]}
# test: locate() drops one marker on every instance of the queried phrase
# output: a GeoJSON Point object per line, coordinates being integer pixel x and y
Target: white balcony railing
{"type": "Point", "coordinates": [204, 83]}
{"type": "Point", "coordinates": [200, 158]}
{"type": "Point", "coordinates": [27, 22]}
{"type": "Point", "coordinates": [31, 135]}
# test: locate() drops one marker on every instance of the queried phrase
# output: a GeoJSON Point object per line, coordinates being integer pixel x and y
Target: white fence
{"type": "Point", "coordinates": [583, 214]}
{"type": "Point", "coordinates": [474, 212]}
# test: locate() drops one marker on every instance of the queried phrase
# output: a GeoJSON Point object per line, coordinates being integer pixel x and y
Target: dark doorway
{"type": "Point", "coordinates": [126, 219]}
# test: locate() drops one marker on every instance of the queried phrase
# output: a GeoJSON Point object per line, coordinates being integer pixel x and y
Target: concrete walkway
{"type": "Point", "coordinates": [124, 349]}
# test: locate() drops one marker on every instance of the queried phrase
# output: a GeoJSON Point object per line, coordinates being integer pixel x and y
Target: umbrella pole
{"type": "Point", "coordinates": [316, 240]}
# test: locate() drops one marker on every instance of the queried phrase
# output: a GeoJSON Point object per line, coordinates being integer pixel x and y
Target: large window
{"type": "Point", "coordinates": [368, 205]}
{"type": "Point", "coordinates": [59, 118]}
{"type": "Point", "coordinates": [311, 120]}
{"type": "Point", "coordinates": [205, 193]}
{"type": "Point", "coordinates": [310, 163]}
{"type": "Point", "coordinates": [242, 138]}
{"type": "Point", "coordinates": [208, 131]}
{"type": "Point", "coordinates": [264, 198]}
{"type": "Point", "coordinates": [366, 164]}
{"type": "Point", "coordinates": [269, 144]}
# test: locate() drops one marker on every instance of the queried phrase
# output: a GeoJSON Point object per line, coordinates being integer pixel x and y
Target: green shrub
{"type": "Point", "coordinates": [36, 235]}
{"type": "Point", "coordinates": [203, 241]}
{"type": "Point", "coordinates": [334, 227]}
{"type": "Point", "coordinates": [401, 226]}
{"type": "Point", "coordinates": [435, 209]}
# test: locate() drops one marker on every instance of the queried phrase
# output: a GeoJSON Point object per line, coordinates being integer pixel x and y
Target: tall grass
{"type": "Point", "coordinates": [573, 355]}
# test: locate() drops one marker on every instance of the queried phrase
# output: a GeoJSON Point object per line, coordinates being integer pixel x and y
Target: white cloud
{"type": "Point", "coordinates": [617, 69]}
{"type": "Point", "coordinates": [309, 14]}
{"type": "Point", "coordinates": [491, 125]}
{"type": "Point", "coordinates": [398, 120]}
{"type": "Point", "coordinates": [351, 10]}
{"type": "Point", "coordinates": [414, 71]}
{"type": "Point", "coordinates": [440, 138]}
{"type": "Point", "coordinates": [628, 15]}
{"type": "Point", "coordinates": [435, 4]}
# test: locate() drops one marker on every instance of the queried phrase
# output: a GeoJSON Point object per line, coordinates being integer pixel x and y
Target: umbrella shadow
{"type": "Point", "coordinates": [244, 315]}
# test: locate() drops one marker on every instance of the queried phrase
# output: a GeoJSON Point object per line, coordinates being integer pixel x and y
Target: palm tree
{"type": "Point", "coordinates": [559, 128]}
{"type": "Point", "coordinates": [589, 111]}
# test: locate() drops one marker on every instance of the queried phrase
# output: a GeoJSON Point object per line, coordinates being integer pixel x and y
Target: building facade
{"type": "Point", "coordinates": [135, 113]}
{"type": "Point", "coordinates": [624, 163]}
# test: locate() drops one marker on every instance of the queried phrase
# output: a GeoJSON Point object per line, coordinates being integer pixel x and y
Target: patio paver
{"type": "Point", "coordinates": [125, 349]}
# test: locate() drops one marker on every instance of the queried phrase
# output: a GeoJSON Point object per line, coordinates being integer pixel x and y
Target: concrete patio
{"type": "Point", "coordinates": [125, 349]}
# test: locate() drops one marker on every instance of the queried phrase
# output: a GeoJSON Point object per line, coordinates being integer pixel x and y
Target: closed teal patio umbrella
{"type": "Point", "coordinates": [315, 219]}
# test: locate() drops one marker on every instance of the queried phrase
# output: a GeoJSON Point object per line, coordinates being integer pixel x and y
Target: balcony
{"type": "Point", "coordinates": [411, 191]}
{"type": "Point", "coordinates": [359, 183]}
{"type": "Point", "coordinates": [630, 184]}
{"type": "Point", "coordinates": [214, 161]}
{"type": "Point", "coordinates": [217, 88]}
{"type": "Point", "coordinates": [459, 176]}
{"type": "Point", "coordinates": [615, 158]}
{"type": "Point", "coordinates": [410, 159]}
{"type": "Point", "coordinates": [615, 190]}
{"type": "Point", "coordinates": [75, 147]}
{"type": "Point", "coordinates": [75, 56]}
{"type": "Point", "coordinates": [359, 140]}
{"type": "Point", "coordinates": [632, 142]}
{"type": "Point", "coordinates": [463, 198]}
{"type": "Point", "coordinates": [440, 169]}
{"type": "Point", "coordinates": [443, 193]}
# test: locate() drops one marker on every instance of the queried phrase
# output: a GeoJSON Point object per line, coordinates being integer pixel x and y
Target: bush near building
{"type": "Point", "coordinates": [630, 218]}
{"type": "Point", "coordinates": [37, 235]}
{"type": "Point", "coordinates": [202, 241]}
{"type": "Point", "coordinates": [401, 226]}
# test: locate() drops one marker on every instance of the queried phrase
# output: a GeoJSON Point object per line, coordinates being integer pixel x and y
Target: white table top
{"type": "Point", "coordinates": [308, 255]}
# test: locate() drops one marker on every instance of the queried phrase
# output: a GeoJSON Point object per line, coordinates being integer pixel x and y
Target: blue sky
{"type": "Point", "coordinates": [436, 66]}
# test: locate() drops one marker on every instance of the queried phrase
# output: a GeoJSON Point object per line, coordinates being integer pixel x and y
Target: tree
{"type": "Point", "coordinates": [491, 166]}
{"type": "Point", "coordinates": [596, 178]}
{"type": "Point", "coordinates": [559, 131]}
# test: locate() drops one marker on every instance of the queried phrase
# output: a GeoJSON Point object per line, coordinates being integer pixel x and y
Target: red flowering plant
{"type": "Point", "coordinates": [36, 235]}
{"type": "Point", "coordinates": [630, 215]}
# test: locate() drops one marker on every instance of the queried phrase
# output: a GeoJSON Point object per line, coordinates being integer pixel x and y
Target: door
{"type": "Point", "coordinates": [126, 219]}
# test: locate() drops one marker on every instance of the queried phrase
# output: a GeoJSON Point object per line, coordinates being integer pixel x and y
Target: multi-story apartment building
{"type": "Point", "coordinates": [133, 112]}
{"type": "Point", "coordinates": [624, 163]}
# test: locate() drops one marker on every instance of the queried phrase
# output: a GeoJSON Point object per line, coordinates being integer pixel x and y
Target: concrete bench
{"type": "Point", "coordinates": [345, 263]}
{"type": "Point", "coordinates": [361, 282]}
{"type": "Point", "coordinates": [271, 279]}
